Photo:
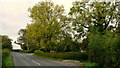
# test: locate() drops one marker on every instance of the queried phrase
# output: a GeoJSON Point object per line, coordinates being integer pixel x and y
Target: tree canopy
{"type": "Point", "coordinates": [48, 27]}
{"type": "Point", "coordinates": [6, 42]}
{"type": "Point", "coordinates": [99, 22]}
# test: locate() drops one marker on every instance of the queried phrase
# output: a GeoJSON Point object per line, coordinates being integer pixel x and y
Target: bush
{"type": "Point", "coordinates": [5, 52]}
{"type": "Point", "coordinates": [64, 55]}
{"type": "Point", "coordinates": [105, 50]}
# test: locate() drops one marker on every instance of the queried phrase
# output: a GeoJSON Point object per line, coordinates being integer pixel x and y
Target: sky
{"type": "Point", "coordinates": [14, 15]}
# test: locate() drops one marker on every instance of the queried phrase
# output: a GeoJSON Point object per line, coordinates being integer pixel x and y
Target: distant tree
{"type": "Point", "coordinates": [6, 42]}
{"type": "Point", "coordinates": [21, 40]}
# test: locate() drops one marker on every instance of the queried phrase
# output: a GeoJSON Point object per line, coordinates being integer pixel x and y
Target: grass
{"type": "Point", "coordinates": [90, 64]}
{"type": "Point", "coordinates": [47, 57]}
{"type": "Point", "coordinates": [8, 62]}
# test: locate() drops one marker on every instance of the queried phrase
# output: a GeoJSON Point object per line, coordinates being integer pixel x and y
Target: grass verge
{"type": "Point", "coordinates": [8, 62]}
{"type": "Point", "coordinates": [47, 57]}
{"type": "Point", "coordinates": [90, 64]}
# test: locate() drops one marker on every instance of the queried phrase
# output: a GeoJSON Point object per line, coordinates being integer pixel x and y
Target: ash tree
{"type": "Point", "coordinates": [48, 24]}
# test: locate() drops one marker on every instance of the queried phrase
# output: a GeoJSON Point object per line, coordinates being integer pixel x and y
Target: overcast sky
{"type": "Point", "coordinates": [14, 15]}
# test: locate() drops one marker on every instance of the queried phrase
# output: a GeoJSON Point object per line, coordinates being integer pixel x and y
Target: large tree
{"type": "Point", "coordinates": [96, 17]}
{"type": "Point", "coordinates": [48, 24]}
{"type": "Point", "coordinates": [99, 22]}
{"type": "Point", "coordinates": [93, 18]}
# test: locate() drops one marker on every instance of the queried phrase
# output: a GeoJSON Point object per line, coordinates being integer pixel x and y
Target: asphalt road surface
{"type": "Point", "coordinates": [22, 59]}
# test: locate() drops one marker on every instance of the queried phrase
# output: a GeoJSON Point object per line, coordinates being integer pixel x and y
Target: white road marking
{"type": "Point", "coordinates": [30, 59]}
{"type": "Point", "coordinates": [35, 62]}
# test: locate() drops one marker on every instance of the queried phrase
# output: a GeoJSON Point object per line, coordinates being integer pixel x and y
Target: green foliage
{"type": "Point", "coordinates": [48, 27]}
{"type": "Point", "coordinates": [112, 51]}
{"type": "Point", "coordinates": [84, 44]}
{"type": "Point", "coordinates": [38, 51]}
{"type": "Point", "coordinates": [95, 18]}
{"type": "Point", "coordinates": [26, 51]}
{"type": "Point", "coordinates": [25, 43]}
{"type": "Point", "coordinates": [6, 42]}
{"type": "Point", "coordinates": [91, 65]}
{"type": "Point", "coordinates": [64, 55]}
{"type": "Point", "coordinates": [32, 45]}
{"type": "Point", "coordinates": [23, 46]}
{"type": "Point", "coordinates": [49, 31]}
{"type": "Point", "coordinates": [5, 52]}
{"type": "Point", "coordinates": [7, 61]}
{"type": "Point", "coordinates": [21, 40]}
{"type": "Point", "coordinates": [68, 45]}
{"type": "Point", "coordinates": [95, 47]}
{"type": "Point", "coordinates": [104, 49]}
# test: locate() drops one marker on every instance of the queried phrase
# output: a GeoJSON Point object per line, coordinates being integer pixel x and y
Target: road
{"type": "Point", "coordinates": [22, 59]}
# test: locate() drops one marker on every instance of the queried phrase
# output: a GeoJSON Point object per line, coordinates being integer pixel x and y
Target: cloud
{"type": "Point", "coordinates": [13, 17]}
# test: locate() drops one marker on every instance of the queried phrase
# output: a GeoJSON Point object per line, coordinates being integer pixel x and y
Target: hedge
{"type": "Point", "coordinates": [26, 51]}
{"type": "Point", "coordinates": [64, 55]}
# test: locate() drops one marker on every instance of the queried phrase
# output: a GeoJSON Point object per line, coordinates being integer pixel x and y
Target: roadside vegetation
{"type": "Point", "coordinates": [90, 32]}
{"type": "Point", "coordinates": [64, 55]}
{"type": "Point", "coordinates": [7, 59]}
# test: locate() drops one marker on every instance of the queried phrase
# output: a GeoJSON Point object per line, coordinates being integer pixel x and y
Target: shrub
{"type": "Point", "coordinates": [5, 52]}
{"type": "Point", "coordinates": [64, 55]}
{"type": "Point", "coordinates": [38, 52]}
{"type": "Point", "coordinates": [105, 50]}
